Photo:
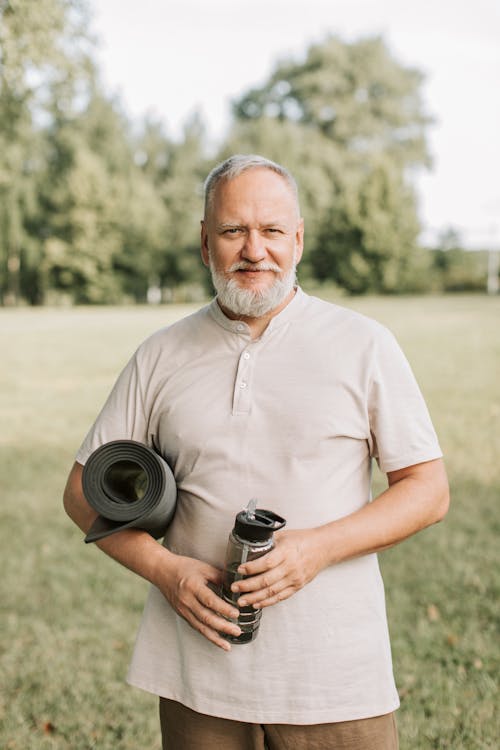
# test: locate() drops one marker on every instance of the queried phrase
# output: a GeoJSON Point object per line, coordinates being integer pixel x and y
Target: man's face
{"type": "Point", "coordinates": [252, 239]}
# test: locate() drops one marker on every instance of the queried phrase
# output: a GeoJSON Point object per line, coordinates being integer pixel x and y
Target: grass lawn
{"type": "Point", "coordinates": [69, 614]}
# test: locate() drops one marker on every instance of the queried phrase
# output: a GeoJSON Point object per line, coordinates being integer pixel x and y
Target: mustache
{"type": "Point", "coordinates": [245, 265]}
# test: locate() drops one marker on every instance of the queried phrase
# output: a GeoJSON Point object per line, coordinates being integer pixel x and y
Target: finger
{"type": "Point", "coordinates": [269, 601]}
{"type": "Point", "coordinates": [212, 601]}
{"type": "Point", "coordinates": [271, 591]}
{"type": "Point", "coordinates": [211, 625]}
{"type": "Point", "coordinates": [209, 619]}
{"type": "Point", "coordinates": [260, 582]}
{"type": "Point", "coordinates": [262, 564]}
{"type": "Point", "coordinates": [215, 638]}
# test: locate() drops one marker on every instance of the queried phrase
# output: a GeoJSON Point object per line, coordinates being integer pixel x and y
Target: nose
{"type": "Point", "coordinates": [254, 248]}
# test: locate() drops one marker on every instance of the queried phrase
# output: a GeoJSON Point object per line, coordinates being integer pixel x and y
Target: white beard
{"type": "Point", "coordinates": [249, 303]}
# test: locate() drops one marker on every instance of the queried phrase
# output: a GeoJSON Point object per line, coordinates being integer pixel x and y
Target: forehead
{"type": "Point", "coordinates": [256, 193]}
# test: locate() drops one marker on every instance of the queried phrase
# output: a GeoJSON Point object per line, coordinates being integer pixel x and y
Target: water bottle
{"type": "Point", "coordinates": [251, 537]}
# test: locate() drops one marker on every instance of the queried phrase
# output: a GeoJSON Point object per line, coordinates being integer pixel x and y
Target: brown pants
{"type": "Point", "coordinates": [184, 729]}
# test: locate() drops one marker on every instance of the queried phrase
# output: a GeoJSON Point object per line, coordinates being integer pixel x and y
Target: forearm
{"type": "Point", "coordinates": [139, 552]}
{"type": "Point", "coordinates": [133, 548]}
{"type": "Point", "coordinates": [411, 503]}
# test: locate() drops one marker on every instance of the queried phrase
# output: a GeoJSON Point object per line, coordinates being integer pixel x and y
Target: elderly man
{"type": "Point", "coordinates": [272, 394]}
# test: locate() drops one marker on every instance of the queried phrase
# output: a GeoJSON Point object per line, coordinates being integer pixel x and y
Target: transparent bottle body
{"type": "Point", "coordinates": [240, 551]}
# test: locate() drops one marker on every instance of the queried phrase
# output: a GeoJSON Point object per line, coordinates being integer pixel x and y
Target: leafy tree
{"type": "Point", "coordinates": [43, 47]}
{"type": "Point", "coordinates": [349, 121]}
{"type": "Point", "coordinates": [177, 170]}
{"type": "Point", "coordinates": [78, 217]}
{"type": "Point", "coordinates": [356, 94]}
{"type": "Point", "coordinates": [105, 224]}
{"type": "Point", "coordinates": [367, 240]}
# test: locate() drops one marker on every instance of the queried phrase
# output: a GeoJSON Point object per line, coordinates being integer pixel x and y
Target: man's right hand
{"type": "Point", "coordinates": [185, 583]}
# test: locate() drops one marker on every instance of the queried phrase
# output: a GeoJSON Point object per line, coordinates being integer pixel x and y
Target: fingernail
{"type": "Point", "coordinates": [242, 602]}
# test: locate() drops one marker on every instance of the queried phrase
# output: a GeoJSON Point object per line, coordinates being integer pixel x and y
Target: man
{"type": "Point", "coordinates": [271, 394]}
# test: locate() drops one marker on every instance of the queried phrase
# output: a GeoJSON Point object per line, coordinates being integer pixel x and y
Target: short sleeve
{"type": "Point", "coordinates": [123, 415]}
{"type": "Point", "coordinates": [402, 433]}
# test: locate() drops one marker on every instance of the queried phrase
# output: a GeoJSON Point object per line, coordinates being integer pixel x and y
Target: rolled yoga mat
{"type": "Point", "coordinates": [130, 486]}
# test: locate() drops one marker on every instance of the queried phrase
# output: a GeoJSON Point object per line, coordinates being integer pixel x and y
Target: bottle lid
{"type": "Point", "coordinates": [257, 525]}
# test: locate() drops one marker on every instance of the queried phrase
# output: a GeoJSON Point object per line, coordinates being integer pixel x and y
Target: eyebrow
{"type": "Point", "coordinates": [237, 225]}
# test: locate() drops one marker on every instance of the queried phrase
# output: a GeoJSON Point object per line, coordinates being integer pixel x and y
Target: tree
{"type": "Point", "coordinates": [43, 47]}
{"type": "Point", "coordinates": [367, 240]}
{"type": "Point", "coordinates": [104, 224]}
{"type": "Point", "coordinates": [77, 217]}
{"type": "Point", "coordinates": [355, 94]}
{"type": "Point", "coordinates": [348, 119]}
{"type": "Point", "coordinates": [177, 170]}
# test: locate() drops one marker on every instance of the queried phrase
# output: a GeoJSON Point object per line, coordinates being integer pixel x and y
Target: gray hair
{"type": "Point", "coordinates": [239, 163]}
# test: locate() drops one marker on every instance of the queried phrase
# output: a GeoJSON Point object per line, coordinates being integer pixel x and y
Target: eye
{"type": "Point", "coordinates": [232, 231]}
{"type": "Point", "coordinates": [273, 230]}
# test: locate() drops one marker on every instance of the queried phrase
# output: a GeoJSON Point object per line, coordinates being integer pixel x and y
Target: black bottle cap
{"type": "Point", "coordinates": [259, 526]}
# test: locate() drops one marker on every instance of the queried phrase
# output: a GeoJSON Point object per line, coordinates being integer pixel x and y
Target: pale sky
{"type": "Point", "coordinates": [171, 57]}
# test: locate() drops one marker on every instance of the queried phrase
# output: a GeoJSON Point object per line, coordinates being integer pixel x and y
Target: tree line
{"type": "Point", "coordinates": [97, 209]}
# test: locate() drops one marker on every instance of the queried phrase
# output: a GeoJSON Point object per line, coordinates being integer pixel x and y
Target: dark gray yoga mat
{"type": "Point", "coordinates": [130, 486]}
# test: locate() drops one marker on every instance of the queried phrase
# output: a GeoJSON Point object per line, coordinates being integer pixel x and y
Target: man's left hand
{"type": "Point", "coordinates": [417, 497]}
{"type": "Point", "coordinates": [295, 560]}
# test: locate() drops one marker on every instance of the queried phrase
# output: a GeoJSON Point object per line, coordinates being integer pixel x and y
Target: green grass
{"type": "Point", "coordinates": [69, 614]}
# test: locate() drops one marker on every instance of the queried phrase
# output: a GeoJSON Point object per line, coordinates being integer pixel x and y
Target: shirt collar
{"type": "Point", "coordinates": [239, 327]}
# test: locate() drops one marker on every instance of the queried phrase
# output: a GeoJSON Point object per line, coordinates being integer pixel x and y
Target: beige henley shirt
{"type": "Point", "coordinates": [294, 420]}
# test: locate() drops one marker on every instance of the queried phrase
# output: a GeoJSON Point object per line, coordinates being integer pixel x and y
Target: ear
{"type": "Point", "coordinates": [299, 241]}
{"type": "Point", "coordinates": [205, 252]}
